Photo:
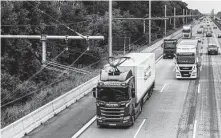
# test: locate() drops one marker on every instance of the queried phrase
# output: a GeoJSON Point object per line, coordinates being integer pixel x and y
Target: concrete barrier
{"type": "Point", "coordinates": [31, 121]}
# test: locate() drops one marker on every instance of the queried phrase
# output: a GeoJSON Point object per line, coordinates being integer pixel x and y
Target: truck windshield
{"type": "Point", "coordinates": [184, 59]}
{"type": "Point", "coordinates": [169, 45]}
{"type": "Point", "coordinates": [113, 94]}
{"type": "Point", "coordinates": [186, 31]}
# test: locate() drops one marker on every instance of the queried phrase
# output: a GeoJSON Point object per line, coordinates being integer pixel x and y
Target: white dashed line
{"type": "Point", "coordinates": [139, 128]}
{"type": "Point", "coordinates": [199, 88]}
{"type": "Point", "coordinates": [194, 130]}
{"type": "Point", "coordinates": [163, 87]}
{"type": "Point", "coordinates": [84, 128]}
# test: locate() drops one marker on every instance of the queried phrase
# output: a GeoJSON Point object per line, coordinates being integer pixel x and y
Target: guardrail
{"type": "Point", "coordinates": [31, 121]}
{"type": "Point", "coordinates": [217, 24]}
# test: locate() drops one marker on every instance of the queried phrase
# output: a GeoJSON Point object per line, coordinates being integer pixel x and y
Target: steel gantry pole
{"type": "Point", "coordinates": [110, 28]}
{"type": "Point", "coordinates": [190, 16]}
{"type": "Point", "coordinates": [150, 22]}
{"type": "Point", "coordinates": [165, 21]}
{"type": "Point", "coordinates": [183, 16]}
{"type": "Point", "coordinates": [144, 26]}
{"type": "Point", "coordinates": [174, 19]}
{"type": "Point", "coordinates": [43, 40]}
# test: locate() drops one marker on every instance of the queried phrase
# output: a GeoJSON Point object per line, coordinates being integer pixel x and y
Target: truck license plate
{"type": "Point", "coordinates": [112, 124]}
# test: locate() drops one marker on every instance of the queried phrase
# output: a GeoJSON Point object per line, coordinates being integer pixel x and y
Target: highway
{"type": "Point", "coordinates": [177, 108]}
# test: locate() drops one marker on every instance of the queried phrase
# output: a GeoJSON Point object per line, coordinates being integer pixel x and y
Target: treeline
{"type": "Point", "coordinates": [21, 58]}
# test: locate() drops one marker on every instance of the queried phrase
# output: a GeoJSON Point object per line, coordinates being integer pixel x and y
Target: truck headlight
{"type": "Point", "coordinates": [127, 118]}
{"type": "Point", "coordinates": [98, 117]}
{"type": "Point", "coordinates": [127, 104]}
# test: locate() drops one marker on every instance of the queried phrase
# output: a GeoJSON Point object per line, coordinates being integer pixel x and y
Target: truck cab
{"type": "Point", "coordinates": [187, 32]}
{"type": "Point", "coordinates": [186, 62]}
{"type": "Point", "coordinates": [212, 49]}
{"type": "Point", "coordinates": [124, 86]}
{"type": "Point", "coordinates": [169, 48]}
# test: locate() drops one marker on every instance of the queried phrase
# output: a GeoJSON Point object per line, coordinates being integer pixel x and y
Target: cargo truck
{"type": "Point", "coordinates": [124, 85]}
{"type": "Point", "coordinates": [186, 60]}
{"type": "Point", "coordinates": [187, 32]}
{"type": "Point", "coordinates": [212, 49]}
{"type": "Point", "coordinates": [169, 48]}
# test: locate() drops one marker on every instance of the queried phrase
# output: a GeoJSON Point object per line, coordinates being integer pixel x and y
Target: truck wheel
{"type": "Point", "coordinates": [99, 125]}
{"type": "Point", "coordinates": [141, 106]}
{"type": "Point", "coordinates": [164, 57]}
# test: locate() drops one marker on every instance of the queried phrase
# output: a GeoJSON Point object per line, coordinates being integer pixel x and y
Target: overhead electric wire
{"type": "Point", "coordinates": [73, 62]}
{"type": "Point", "coordinates": [57, 21]}
{"type": "Point", "coordinates": [27, 81]}
{"type": "Point", "coordinates": [17, 99]}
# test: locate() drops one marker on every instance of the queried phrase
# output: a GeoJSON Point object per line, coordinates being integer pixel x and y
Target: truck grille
{"type": "Point", "coordinates": [186, 68]}
{"type": "Point", "coordinates": [185, 73]}
{"type": "Point", "coordinates": [112, 112]}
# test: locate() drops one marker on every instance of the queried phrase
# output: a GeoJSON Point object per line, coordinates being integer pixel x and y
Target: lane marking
{"type": "Point", "coordinates": [199, 88]}
{"type": "Point", "coordinates": [194, 130]}
{"type": "Point", "coordinates": [84, 128]}
{"type": "Point", "coordinates": [158, 58]}
{"type": "Point", "coordinates": [139, 128]}
{"type": "Point", "coordinates": [163, 87]}
{"type": "Point", "coordinates": [174, 68]}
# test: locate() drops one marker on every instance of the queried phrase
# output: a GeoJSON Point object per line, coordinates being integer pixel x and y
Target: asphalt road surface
{"type": "Point", "coordinates": [177, 108]}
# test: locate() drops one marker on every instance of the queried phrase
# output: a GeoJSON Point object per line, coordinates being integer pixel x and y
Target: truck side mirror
{"type": "Point", "coordinates": [94, 92]}
{"type": "Point", "coordinates": [133, 92]}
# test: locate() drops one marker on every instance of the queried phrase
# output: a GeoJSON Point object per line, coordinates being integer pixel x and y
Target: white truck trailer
{"type": "Point", "coordinates": [187, 60]}
{"type": "Point", "coordinates": [123, 88]}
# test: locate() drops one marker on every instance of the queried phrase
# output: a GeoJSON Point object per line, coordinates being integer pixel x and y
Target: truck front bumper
{"type": "Point", "coordinates": [171, 55]}
{"type": "Point", "coordinates": [192, 75]}
{"type": "Point", "coordinates": [212, 52]}
{"type": "Point", "coordinates": [113, 122]}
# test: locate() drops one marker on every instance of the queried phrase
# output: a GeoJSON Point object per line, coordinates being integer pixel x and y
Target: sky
{"type": "Point", "coordinates": [204, 6]}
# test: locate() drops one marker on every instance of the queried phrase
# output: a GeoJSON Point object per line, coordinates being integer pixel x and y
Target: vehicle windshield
{"type": "Point", "coordinates": [169, 45]}
{"type": "Point", "coordinates": [212, 46]}
{"type": "Point", "coordinates": [186, 59]}
{"type": "Point", "coordinates": [186, 31]}
{"type": "Point", "coordinates": [113, 94]}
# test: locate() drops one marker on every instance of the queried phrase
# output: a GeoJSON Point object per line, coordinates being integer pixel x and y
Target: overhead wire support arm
{"type": "Point", "coordinates": [153, 18]}
{"type": "Point", "coordinates": [53, 37]}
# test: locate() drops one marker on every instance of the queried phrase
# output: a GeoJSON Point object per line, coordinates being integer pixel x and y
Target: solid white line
{"type": "Point", "coordinates": [84, 128]}
{"type": "Point", "coordinates": [139, 128]}
{"type": "Point", "coordinates": [158, 58]}
{"type": "Point", "coordinates": [194, 130]}
{"type": "Point", "coordinates": [163, 87]}
{"type": "Point", "coordinates": [174, 68]}
{"type": "Point", "coordinates": [199, 88]}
